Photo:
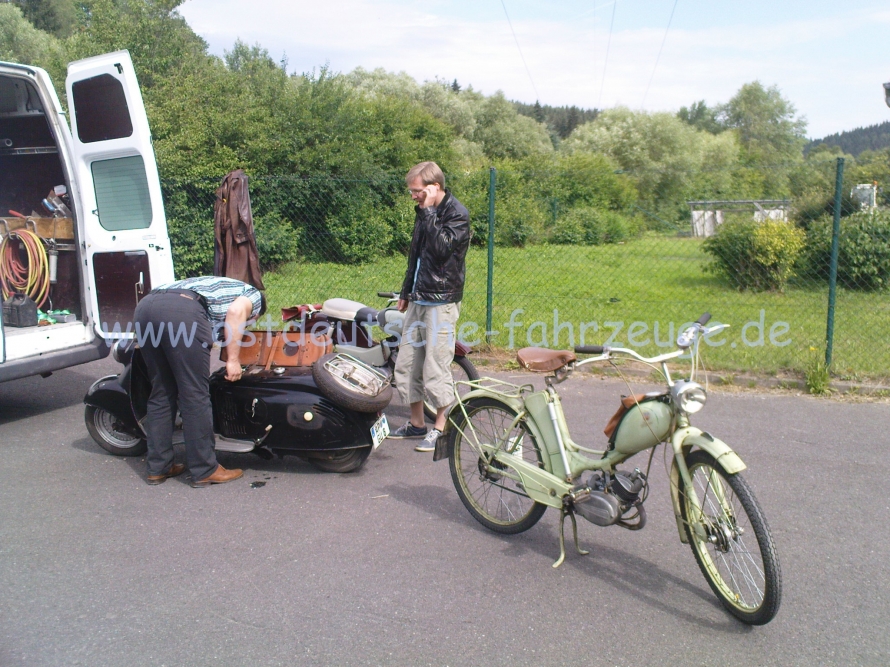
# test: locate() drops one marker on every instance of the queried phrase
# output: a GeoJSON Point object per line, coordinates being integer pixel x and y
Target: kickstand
{"type": "Point", "coordinates": [562, 537]}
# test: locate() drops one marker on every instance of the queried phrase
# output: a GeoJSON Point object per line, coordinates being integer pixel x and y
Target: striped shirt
{"type": "Point", "coordinates": [219, 293]}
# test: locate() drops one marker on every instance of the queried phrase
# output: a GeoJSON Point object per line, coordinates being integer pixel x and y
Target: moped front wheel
{"type": "Point", "coordinates": [731, 541]}
{"type": "Point", "coordinates": [108, 433]}
{"type": "Point", "coordinates": [486, 487]}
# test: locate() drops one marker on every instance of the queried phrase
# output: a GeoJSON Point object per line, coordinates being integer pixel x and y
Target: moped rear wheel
{"type": "Point", "coordinates": [733, 545]}
{"type": "Point", "coordinates": [348, 460]}
{"type": "Point", "coordinates": [493, 497]}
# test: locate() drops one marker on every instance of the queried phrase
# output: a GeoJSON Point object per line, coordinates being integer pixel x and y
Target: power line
{"type": "Point", "coordinates": [606, 63]}
{"type": "Point", "coordinates": [527, 71]}
{"type": "Point", "coordinates": [659, 53]}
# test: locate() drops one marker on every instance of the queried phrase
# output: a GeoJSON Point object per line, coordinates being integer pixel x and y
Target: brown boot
{"type": "Point", "coordinates": [218, 476]}
{"type": "Point", "coordinates": [175, 469]}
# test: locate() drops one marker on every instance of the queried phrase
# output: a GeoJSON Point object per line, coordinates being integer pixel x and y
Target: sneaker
{"type": "Point", "coordinates": [408, 430]}
{"type": "Point", "coordinates": [428, 444]}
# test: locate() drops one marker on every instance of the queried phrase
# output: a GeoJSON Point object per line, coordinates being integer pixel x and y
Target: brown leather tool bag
{"type": "Point", "coordinates": [627, 402]}
{"type": "Point", "coordinates": [281, 348]}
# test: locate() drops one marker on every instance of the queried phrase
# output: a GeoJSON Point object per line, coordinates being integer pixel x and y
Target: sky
{"type": "Point", "coordinates": [829, 59]}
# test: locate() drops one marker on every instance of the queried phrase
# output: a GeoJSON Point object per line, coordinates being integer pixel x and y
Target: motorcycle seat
{"type": "Point", "coordinates": [542, 359]}
{"type": "Point", "coordinates": [388, 316]}
{"type": "Point", "coordinates": [343, 309]}
{"type": "Point", "coordinates": [346, 310]}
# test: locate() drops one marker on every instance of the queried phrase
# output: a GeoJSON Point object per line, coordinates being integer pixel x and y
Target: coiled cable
{"type": "Point", "coordinates": [30, 276]}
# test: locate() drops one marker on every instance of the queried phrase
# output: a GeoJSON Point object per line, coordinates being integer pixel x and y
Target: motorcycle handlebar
{"type": "Point", "coordinates": [704, 319]}
{"type": "Point", "coordinates": [590, 349]}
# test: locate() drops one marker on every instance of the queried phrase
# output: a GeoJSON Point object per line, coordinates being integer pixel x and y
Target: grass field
{"type": "Point", "coordinates": [639, 294]}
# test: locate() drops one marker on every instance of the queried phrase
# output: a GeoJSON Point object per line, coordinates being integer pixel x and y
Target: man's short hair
{"type": "Point", "coordinates": [428, 172]}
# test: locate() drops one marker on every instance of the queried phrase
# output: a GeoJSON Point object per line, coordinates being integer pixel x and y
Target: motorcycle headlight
{"type": "Point", "coordinates": [689, 397]}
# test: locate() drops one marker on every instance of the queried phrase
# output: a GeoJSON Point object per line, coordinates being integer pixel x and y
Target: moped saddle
{"type": "Point", "coordinates": [542, 359]}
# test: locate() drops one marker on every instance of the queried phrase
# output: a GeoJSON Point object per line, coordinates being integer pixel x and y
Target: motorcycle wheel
{"type": "Point", "coordinates": [342, 461]}
{"type": "Point", "coordinates": [104, 429]}
{"type": "Point", "coordinates": [737, 557]}
{"type": "Point", "coordinates": [495, 500]}
{"type": "Point", "coordinates": [461, 369]}
{"type": "Point", "coordinates": [344, 390]}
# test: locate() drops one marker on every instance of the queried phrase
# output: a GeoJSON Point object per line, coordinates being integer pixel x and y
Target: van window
{"type": "Point", "coordinates": [100, 107]}
{"type": "Point", "coordinates": [122, 193]}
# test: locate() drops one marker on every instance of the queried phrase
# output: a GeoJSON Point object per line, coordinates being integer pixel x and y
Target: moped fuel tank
{"type": "Point", "coordinates": [643, 426]}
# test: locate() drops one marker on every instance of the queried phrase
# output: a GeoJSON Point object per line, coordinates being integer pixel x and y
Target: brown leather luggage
{"type": "Point", "coordinates": [281, 348]}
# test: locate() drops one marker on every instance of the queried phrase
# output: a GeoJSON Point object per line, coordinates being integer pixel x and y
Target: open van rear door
{"type": "Point", "coordinates": [121, 219]}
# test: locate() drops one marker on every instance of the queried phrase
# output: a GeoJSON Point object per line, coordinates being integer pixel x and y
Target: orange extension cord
{"type": "Point", "coordinates": [30, 277]}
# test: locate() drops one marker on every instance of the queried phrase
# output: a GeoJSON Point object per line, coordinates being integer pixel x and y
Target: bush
{"type": "Point", "coordinates": [191, 242]}
{"type": "Point", "coordinates": [520, 216]}
{"type": "Point", "coordinates": [755, 255]}
{"type": "Point", "coordinates": [277, 242]}
{"type": "Point", "coordinates": [359, 233]}
{"type": "Point", "coordinates": [590, 226]}
{"type": "Point", "coordinates": [863, 250]}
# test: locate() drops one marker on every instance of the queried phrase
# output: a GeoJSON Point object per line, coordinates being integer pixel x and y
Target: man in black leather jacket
{"type": "Point", "coordinates": [430, 298]}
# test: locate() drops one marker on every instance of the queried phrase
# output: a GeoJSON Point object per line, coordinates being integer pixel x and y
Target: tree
{"type": "Point", "coordinates": [159, 40]}
{"type": "Point", "coordinates": [702, 117]}
{"type": "Point", "coordinates": [57, 17]}
{"type": "Point", "coordinates": [768, 130]}
{"type": "Point", "coordinates": [503, 133]}
{"type": "Point", "coordinates": [669, 160]}
{"type": "Point", "coordinates": [21, 42]}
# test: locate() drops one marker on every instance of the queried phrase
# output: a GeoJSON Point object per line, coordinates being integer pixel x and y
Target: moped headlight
{"type": "Point", "coordinates": [689, 397]}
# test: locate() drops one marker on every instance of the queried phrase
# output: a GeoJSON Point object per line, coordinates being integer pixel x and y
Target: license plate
{"type": "Point", "coordinates": [379, 431]}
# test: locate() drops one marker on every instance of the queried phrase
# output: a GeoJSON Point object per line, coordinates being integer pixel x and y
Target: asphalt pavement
{"type": "Point", "coordinates": [386, 567]}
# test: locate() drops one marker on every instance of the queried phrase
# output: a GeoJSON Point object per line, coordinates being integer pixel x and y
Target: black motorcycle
{"type": "Point", "coordinates": [330, 414]}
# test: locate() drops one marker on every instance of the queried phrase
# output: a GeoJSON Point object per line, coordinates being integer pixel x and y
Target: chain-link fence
{"type": "Point", "coordinates": [579, 258]}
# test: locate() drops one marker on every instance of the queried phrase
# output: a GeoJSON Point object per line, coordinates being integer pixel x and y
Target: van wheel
{"type": "Point", "coordinates": [351, 384]}
{"type": "Point", "coordinates": [107, 432]}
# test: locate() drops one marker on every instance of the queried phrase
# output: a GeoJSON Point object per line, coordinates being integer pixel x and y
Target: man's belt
{"type": "Point", "coordinates": [187, 293]}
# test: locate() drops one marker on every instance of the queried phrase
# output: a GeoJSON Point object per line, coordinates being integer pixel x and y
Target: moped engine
{"type": "Point", "coordinates": [614, 499]}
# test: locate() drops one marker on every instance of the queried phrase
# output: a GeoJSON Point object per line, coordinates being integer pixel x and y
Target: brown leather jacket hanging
{"type": "Point", "coordinates": [235, 252]}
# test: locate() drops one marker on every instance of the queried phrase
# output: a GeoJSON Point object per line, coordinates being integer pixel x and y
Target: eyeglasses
{"type": "Point", "coordinates": [414, 191]}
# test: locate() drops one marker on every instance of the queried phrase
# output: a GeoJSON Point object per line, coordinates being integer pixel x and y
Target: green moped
{"type": "Point", "coordinates": [511, 457]}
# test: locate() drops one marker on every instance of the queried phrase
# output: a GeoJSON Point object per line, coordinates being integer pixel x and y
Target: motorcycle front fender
{"type": "Point", "coordinates": [683, 441]}
{"type": "Point", "coordinates": [109, 394]}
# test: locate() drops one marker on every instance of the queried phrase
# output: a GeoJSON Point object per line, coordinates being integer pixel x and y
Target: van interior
{"type": "Point", "coordinates": [34, 203]}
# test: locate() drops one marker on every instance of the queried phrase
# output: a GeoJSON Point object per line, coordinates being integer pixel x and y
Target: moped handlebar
{"type": "Point", "coordinates": [589, 349]}
{"type": "Point", "coordinates": [387, 295]}
{"type": "Point", "coordinates": [704, 319]}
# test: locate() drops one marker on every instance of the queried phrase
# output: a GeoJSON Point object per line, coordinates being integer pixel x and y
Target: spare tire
{"type": "Point", "coordinates": [351, 383]}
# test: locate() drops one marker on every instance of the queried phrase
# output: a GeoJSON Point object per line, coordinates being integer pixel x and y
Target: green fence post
{"type": "Point", "coordinates": [489, 304]}
{"type": "Point", "coordinates": [832, 274]}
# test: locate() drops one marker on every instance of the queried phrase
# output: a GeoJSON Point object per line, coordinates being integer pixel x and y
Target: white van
{"type": "Point", "coordinates": [109, 243]}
